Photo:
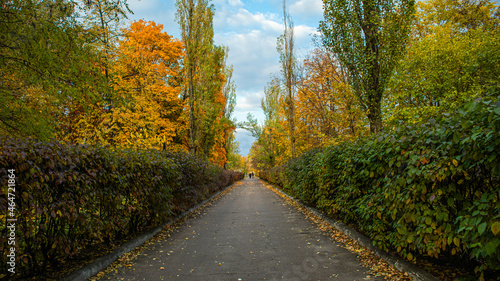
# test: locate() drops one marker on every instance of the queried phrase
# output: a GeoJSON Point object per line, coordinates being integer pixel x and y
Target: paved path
{"type": "Point", "coordinates": [248, 234]}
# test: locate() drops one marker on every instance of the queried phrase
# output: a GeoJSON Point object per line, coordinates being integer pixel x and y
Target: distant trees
{"type": "Point", "coordinates": [376, 63]}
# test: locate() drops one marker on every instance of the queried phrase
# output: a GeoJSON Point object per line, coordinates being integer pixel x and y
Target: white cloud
{"type": "Point", "coordinates": [249, 101]}
{"type": "Point", "coordinates": [245, 21]}
{"type": "Point", "coordinates": [304, 32]}
{"type": "Point", "coordinates": [307, 8]}
{"type": "Point", "coordinates": [253, 56]}
{"type": "Point", "coordinates": [235, 3]}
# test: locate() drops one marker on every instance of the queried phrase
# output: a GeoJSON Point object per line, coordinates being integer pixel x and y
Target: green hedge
{"type": "Point", "coordinates": [69, 198]}
{"type": "Point", "coordinates": [430, 189]}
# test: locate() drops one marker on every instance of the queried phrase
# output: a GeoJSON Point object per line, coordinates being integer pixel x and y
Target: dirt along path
{"type": "Point", "coordinates": [248, 234]}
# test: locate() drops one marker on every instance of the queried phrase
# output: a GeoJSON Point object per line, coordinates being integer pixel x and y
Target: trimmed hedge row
{"type": "Point", "coordinates": [69, 198]}
{"type": "Point", "coordinates": [431, 189]}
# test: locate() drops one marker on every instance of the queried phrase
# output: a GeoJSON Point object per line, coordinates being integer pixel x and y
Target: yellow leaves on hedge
{"type": "Point", "coordinates": [495, 227]}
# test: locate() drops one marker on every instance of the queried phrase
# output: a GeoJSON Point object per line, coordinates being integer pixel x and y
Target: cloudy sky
{"type": "Point", "coordinates": [250, 29]}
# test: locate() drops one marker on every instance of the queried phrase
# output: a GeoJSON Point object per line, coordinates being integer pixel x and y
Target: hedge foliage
{"type": "Point", "coordinates": [430, 189]}
{"type": "Point", "coordinates": [72, 197]}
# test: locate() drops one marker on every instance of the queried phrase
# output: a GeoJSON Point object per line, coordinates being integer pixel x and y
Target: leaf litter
{"type": "Point", "coordinates": [376, 265]}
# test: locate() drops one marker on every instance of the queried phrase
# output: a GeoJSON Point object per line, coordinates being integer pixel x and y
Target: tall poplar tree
{"type": "Point", "coordinates": [285, 48]}
{"type": "Point", "coordinates": [195, 18]}
{"type": "Point", "coordinates": [368, 37]}
{"type": "Point", "coordinates": [208, 88]}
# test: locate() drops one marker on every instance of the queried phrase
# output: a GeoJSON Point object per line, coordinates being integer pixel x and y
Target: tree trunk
{"type": "Point", "coordinates": [375, 117]}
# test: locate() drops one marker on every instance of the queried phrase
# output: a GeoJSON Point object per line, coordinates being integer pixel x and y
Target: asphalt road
{"type": "Point", "coordinates": [248, 234]}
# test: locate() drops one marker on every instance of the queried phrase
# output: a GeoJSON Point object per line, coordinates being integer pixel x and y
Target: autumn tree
{"type": "Point", "coordinates": [147, 86]}
{"type": "Point", "coordinates": [272, 145]}
{"type": "Point", "coordinates": [285, 47]}
{"type": "Point", "coordinates": [327, 110]}
{"type": "Point", "coordinates": [368, 38]}
{"type": "Point", "coordinates": [452, 60]}
{"type": "Point", "coordinates": [102, 23]}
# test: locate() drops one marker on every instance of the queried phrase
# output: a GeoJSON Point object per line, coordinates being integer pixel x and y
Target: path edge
{"type": "Point", "coordinates": [91, 269]}
{"type": "Point", "coordinates": [416, 273]}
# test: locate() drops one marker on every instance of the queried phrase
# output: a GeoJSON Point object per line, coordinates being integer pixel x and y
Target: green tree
{"type": "Point", "coordinates": [453, 58]}
{"type": "Point", "coordinates": [195, 18]}
{"type": "Point", "coordinates": [208, 88]}
{"type": "Point", "coordinates": [103, 20]}
{"type": "Point", "coordinates": [368, 38]}
{"type": "Point", "coordinates": [229, 93]}
{"type": "Point", "coordinates": [46, 67]}
{"type": "Point", "coordinates": [272, 145]}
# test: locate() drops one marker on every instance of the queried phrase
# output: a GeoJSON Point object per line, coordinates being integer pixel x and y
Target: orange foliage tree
{"type": "Point", "coordinates": [147, 87]}
{"type": "Point", "coordinates": [327, 109]}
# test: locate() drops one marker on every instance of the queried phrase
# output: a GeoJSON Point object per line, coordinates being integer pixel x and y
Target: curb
{"type": "Point", "coordinates": [415, 272]}
{"type": "Point", "coordinates": [105, 261]}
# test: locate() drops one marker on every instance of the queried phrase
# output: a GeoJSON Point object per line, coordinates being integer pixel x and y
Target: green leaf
{"type": "Point", "coordinates": [491, 246]}
{"type": "Point", "coordinates": [482, 228]}
{"type": "Point", "coordinates": [497, 110]}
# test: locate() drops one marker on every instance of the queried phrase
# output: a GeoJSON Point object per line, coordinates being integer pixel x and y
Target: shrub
{"type": "Point", "coordinates": [72, 197]}
{"type": "Point", "coordinates": [429, 189]}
